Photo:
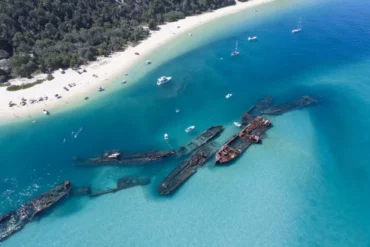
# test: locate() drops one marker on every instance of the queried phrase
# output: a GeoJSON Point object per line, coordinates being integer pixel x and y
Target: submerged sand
{"type": "Point", "coordinates": [101, 73]}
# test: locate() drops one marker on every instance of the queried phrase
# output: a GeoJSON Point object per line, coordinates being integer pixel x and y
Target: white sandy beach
{"type": "Point", "coordinates": [106, 69]}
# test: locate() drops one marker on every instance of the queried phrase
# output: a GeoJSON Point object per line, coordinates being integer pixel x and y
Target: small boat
{"type": "Point", "coordinates": [177, 110]}
{"type": "Point", "coordinates": [148, 62]}
{"type": "Point", "coordinates": [190, 34]}
{"type": "Point", "coordinates": [250, 38]}
{"type": "Point", "coordinates": [86, 98]}
{"type": "Point", "coordinates": [136, 53]}
{"type": "Point", "coordinates": [163, 79]}
{"type": "Point", "coordinates": [190, 128]}
{"type": "Point", "coordinates": [100, 89]}
{"type": "Point", "coordinates": [45, 112]}
{"type": "Point", "coordinates": [124, 82]}
{"type": "Point", "coordinates": [235, 52]}
{"type": "Point", "coordinates": [166, 137]}
{"type": "Point", "coordinates": [237, 124]}
{"type": "Point", "coordinates": [126, 74]}
{"type": "Point", "coordinates": [228, 95]}
{"type": "Point", "coordinates": [299, 27]}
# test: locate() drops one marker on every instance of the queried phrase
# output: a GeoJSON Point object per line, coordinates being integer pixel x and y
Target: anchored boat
{"type": "Point", "coordinates": [299, 27]}
{"type": "Point", "coordinates": [163, 79]}
{"type": "Point", "coordinates": [190, 128]}
{"type": "Point", "coordinates": [235, 52]}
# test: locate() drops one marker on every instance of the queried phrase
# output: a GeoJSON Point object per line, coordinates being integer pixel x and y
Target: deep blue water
{"type": "Point", "coordinates": [307, 185]}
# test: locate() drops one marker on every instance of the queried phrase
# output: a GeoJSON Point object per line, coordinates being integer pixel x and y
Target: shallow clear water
{"type": "Point", "coordinates": [307, 185]}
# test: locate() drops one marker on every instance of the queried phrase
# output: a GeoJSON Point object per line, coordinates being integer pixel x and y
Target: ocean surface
{"type": "Point", "coordinates": [308, 184]}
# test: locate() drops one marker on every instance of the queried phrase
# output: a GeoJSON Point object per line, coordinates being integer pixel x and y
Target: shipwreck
{"type": "Point", "coordinates": [124, 183]}
{"type": "Point", "coordinates": [200, 140]}
{"type": "Point", "coordinates": [250, 134]}
{"type": "Point", "coordinates": [290, 106]}
{"type": "Point", "coordinates": [115, 157]}
{"type": "Point", "coordinates": [14, 221]}
{"type": "Point", "coordinates": [186, 169]}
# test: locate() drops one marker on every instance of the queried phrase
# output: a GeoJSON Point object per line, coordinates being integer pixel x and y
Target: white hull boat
{"type": "Point", "coordinates": [190, 128]}
{"type": "Point", "coordinates": [163, 79]}
{"type": "Point", "coordinates": [237, 124]}
{"type": "Point", "coordinates": [228, 95]}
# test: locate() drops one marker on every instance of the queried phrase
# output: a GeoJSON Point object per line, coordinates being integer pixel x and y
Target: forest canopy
{"type": "Point", "coordinates": [45, 35]}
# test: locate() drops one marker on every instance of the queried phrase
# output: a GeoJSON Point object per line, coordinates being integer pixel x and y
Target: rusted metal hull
{"type": "Point", "coordinates": [256, 110]}
{"type": "Point", "coordinates": [236, 145]}
{"type": "Point", "coordinates": [14, 221]}
{"type": "Point", "coordinates": [200, 140]}
{"type": "Point", "coordinates": [131, 159]}
{"type": "Point", "coordinates": [124, 183]}
{"type": "Point", "coordinates": [186, 169]}
{"type": "Point", "coordinates": [290, 106]}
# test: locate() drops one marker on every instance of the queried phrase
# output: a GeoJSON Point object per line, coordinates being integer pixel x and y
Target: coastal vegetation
{"type": "Point", "coordinates": [45, 35]}
{"type": "Point", "coordinates": [24, 86]}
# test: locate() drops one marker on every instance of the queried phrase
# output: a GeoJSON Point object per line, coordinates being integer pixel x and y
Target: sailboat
{"type": "Point", "coordinates": [299, 27]}
{"type": "Point", "coordinates": [235, 52]}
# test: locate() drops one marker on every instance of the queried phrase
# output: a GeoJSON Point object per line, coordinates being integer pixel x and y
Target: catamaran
{"type": "Point", "coordinates": [163, 79]}
{"type": "Point", "coordinates": [190, 128]}
{"type": "Point", "coordinates": [299, 27]}
{"type": "Point", "coordinates": [235, 52]}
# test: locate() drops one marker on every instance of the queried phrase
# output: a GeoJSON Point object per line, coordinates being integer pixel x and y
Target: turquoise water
{"type": "Point", "coordinates": [307, 185]}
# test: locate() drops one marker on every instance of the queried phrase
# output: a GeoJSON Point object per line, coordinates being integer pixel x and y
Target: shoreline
{"type": "Point", "coordinates": [107, 69]}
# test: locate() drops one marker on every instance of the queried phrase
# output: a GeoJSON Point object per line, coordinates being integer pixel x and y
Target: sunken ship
{"type": "Point", "coordinates": [200, 140]}
{"type": "Point", "coordinates": [289, 106]}
{"type": "Point", "coordinates": [14, 221]}
{"type": "Point", "coordinates": [115, 157]}
{"type": "Point", "coordinates": [124, 183]}
{"type": "Point", "coordinates": [186, 169]}
{"type": "Point", "coordinates": [250, 134]}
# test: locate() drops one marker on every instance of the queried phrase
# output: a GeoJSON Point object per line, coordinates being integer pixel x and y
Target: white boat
{"type": "Point", "coordinates": [166, 137]}
{"type": "Point", "coordinates": [228, 95]}
{"type": "Point", "coordinates": [190, 128]}
{"type": "Point", "coordinates": [163, 79]}
{"type": "Point", "coordinates": [177, 110]}
{"type": "Point", "coordinates": [45, 112]}
{"type": "Point", "coordinates": [148, 62]}
{"type": "Point", "coordinates": [299, 27]}
{"type": "Point", "coordinates": [237, 124]}
{"type": "Point", "coordinates": [250, 38]}
{"type": "Point", "coordinates": [100, 89]}
{"type": "Point", "coordinates": [235, 52]}
{"type": "Point", "coordinates": [124, 82]}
